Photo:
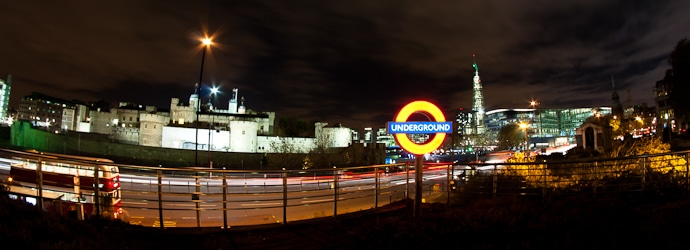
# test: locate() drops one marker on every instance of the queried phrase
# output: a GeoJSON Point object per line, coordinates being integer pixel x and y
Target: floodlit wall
{"type": "Point", "coordinates": [275, 144]}
{"type": "Point", "coordinates": [340, 137]}
{"type": "Point", "coordinates": [101, 122]}
{"type": "Point", "coordinates": [184, 138]}
{"type": "Point", "coordinates": [97, 145]}
{"type": "Point", "coordinates": [151, 129]}
{"type": "Point", "coordinates": [243, 136]}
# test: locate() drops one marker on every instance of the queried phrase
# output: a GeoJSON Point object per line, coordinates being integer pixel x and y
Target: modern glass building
{"type": "Point", "coordinates": [5, 89]}
{"type": "Point", "coordinates": [546, 127]}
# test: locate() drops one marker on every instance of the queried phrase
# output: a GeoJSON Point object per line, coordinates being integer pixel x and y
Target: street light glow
{"type": "Point", "coordinates": [206, 41]}
{"type": "Point", "coordinates": [523, 125]}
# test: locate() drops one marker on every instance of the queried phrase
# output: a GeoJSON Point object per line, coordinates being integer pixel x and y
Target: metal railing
{"type": "Point", "coordinates": [200, 197]}
{"type": "Point", "coordinates": [659, 173]}
{"type": "Point", "coordinates": [220, 198]}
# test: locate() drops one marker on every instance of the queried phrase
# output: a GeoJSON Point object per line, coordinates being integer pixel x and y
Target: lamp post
{"type": "Point", "coordinates": [214, 91]}
{"type": "Point", "coordinates": [206, 43]}
{"type": "Point", "coordinates": [534, 104]}
{"type": "Point", "coordinates": [524, 126]}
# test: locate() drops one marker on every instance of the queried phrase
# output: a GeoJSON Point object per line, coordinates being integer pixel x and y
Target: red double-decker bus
{"type": "Point", "coordinates": [86, 184]}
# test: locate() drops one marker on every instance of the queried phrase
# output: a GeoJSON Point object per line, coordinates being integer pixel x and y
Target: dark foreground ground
{"type": "Point", "coordinates": [561, 223]}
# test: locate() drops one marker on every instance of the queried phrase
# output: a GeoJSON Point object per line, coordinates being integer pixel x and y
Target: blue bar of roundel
{"type": "Point", "coordinates": [420, 127]}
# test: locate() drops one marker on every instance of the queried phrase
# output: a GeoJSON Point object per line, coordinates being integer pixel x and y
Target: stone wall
{"type": "Point", "coordinates": [98, 145]}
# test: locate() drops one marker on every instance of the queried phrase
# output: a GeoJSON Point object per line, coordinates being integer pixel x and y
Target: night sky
{"type": "Point", "coordinates": [354, 62]}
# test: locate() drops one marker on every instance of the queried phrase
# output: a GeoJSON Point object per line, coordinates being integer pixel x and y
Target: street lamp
{"type": "Point", "coordinates": [206, 43]}
{"type": "Point", "coordinates": [214, 91]}
{"type": "Point", "coordinates": [533, 104]}
{"type": "Point", "coordinates": [524, 126]}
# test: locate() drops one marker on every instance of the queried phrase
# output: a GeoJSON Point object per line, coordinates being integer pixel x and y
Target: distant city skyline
{"type": "Point", "coordinates": [355, 63]}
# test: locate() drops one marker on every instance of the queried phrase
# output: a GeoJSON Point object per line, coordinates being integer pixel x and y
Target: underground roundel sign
{"type": "Point", "coordinates": [400, 128]}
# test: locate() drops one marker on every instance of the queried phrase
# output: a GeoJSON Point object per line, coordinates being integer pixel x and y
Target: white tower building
{"type": "Point", "coordinates": [194, 98]}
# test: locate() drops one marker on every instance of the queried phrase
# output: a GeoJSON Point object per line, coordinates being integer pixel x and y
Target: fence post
{"type": "Point", "coordinates": [225, 200]}
{"type": "Point", "coordinates": [596, 177]}
{"type": "Point", "coordinates": [285, 196]}
{"type": "Point", "coordinates": [495, 183]}
{"type": "Point", "coordinates": [197, 202]}
{"type": "Point", "coordinates": [335, 192]}
{"type": "Point", "coordinates": [407, 180]}
{"type": "Point", "coordinates": [96, 193]}
{"type": "Point", "coordinates": [448, 180]}
{"type": "Point", "coordinates": [644, 176]}
{"type": "Point", "coordinates": [160, 197]}
{"type": "Point", "coordinates": [687, 176]}
{"type": "Point", "coordinates": [376, 187]}
{"type": "Point", "coordinates": [39, 183]}
{"type": "Point", "coordinates": [543, 190]}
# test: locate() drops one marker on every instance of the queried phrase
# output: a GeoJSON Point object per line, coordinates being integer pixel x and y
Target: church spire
{"type": "Point", "coordinates": [616, 106]}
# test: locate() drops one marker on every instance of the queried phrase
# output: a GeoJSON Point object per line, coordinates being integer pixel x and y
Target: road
{"type": "Point", "coordinates": [253, 199]}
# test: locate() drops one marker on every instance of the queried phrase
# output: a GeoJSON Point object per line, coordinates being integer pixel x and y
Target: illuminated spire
{"type": "Point", "coordinates": [477, 99]}
{"type": "Point", "coordinates": [475, 66]}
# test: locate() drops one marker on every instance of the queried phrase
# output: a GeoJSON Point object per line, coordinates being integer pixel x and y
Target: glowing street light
{"type": "Point", "coordinates": [214, 91]}
{"type": "Point", "coordinates": [206, 43]}
{"type": "Point", "coordinates": [533, 104]}
{"type": "Point", "coordinates": [524, 126]}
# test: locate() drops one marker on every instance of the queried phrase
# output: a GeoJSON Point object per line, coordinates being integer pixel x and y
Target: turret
{"type": "Point", "coordinates": [232, 104]}
{"type": "Point", "coordinates": [194, 98]}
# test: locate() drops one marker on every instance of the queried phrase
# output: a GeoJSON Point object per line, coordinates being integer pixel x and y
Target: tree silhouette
{"type": "Point", "coordinates": [680, 81]}
{"type": "Point", "coordinates": [510, 136]}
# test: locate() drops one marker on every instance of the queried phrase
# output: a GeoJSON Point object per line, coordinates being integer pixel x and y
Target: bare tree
{"type": "Point", "coordinates": [320, 155]}
{"type": "Point", "coordinates": [286, 155]}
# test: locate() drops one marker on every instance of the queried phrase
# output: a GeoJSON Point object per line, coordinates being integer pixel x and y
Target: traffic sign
{"type": "Point", "coordinates": [401, 127]}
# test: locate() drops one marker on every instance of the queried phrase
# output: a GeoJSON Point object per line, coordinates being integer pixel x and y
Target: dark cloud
{"type": "Point", "coordinates": [350, 62]}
